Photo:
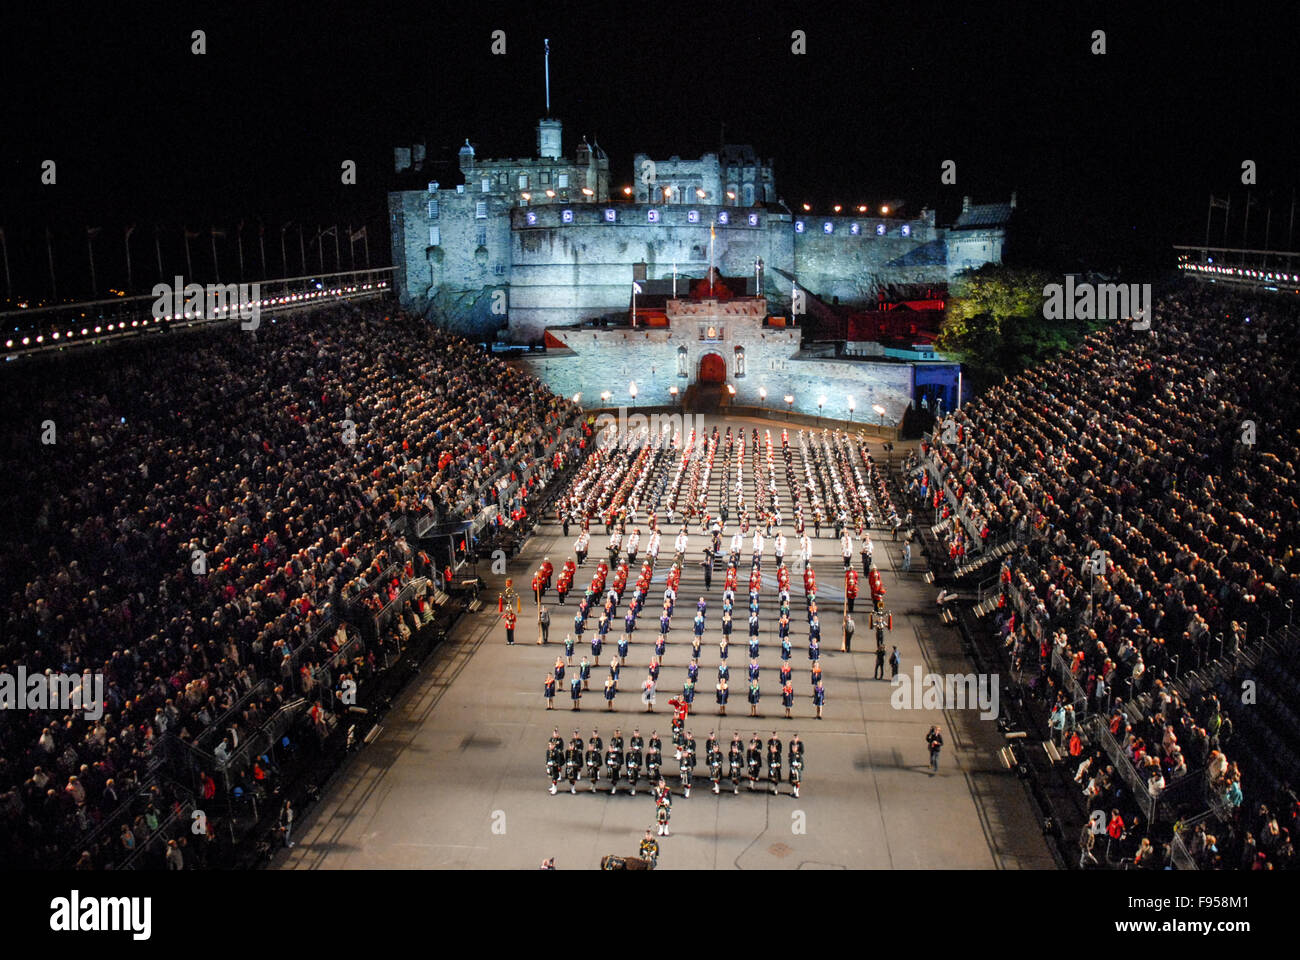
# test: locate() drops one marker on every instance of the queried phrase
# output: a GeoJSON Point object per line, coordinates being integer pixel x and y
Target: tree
{"type": "Point", "coordinates": [995, 326]}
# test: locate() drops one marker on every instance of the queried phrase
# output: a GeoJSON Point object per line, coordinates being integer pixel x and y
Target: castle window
{"type": "Point", "coordinates": [523, 181]}
{"type": "Point", "coordinates": [482, 236]}
{"type": "Point", "coordinates": [435, 237]}
{"type": "Point", "coordinates": [748, 194]}
{"type": "Point", "coordinates": [480, 210]}
{"type": "Point", "coordinates": [681, 362]}
{"type": "Point", "coordinates": [563, 180]}
{"type": "Point", "coordinates": [433, 209]}
{"type": "Point", "coordinates": [740, 361]}
{"type": "Point", "coordinates": [546, 177]}
{"type": "Point", "coordinates": [487, 184]}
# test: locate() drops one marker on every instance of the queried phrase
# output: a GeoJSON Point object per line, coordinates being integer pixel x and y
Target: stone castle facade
{"type": "Point", "coordinates": [533, 243]}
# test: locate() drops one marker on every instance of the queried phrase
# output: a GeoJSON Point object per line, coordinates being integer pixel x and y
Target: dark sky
{"type": "Point", "coordinates": [1113, 156]}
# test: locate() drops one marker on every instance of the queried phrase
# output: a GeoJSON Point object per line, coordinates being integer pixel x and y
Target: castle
{"type": "Point", "coordinates": [538, 242]}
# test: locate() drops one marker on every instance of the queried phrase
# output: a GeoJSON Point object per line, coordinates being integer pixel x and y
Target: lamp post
{"type": "Point", "coordinates": [789, 405]}
{"type": "Point", "coordinates": [673, 391]}
{"type": "Point", "coordinates": [631, 389]}
{"type": "Point", "coordinates": [731, 393]}
{"type": "Point", "coordinates": [762, 396]}
{"type": "Point", "coordinates": [851, 405]}
{"type": "Point", "coordinates": [604, 397]}
{"type": "Point", "coordinates": [821, 402]}
{"type": "Point", "coordinates": [880, 412]}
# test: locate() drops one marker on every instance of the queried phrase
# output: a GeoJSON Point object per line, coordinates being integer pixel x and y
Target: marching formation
{"type": "Point", "coordinates": [619, 478]}
{"type": "Point", "coordinates": [757, 763]}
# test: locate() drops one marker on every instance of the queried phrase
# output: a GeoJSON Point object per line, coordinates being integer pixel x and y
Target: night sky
{"type": "Point", "coordinates": [1113, 157]}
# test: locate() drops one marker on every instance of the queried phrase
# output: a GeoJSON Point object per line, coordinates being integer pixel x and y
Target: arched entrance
{"type": "Point", "coordinates": [713, 369]}
{"type": "Point", "coordinates": [707, 391]}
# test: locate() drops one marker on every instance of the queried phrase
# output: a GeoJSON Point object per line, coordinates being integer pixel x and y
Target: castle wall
{"type": "Point", "coordinates": [847, 264]}
{"type": "Point", "coordinates": [657, 358]}
{"type": "Point", "coordinates": [566, 272]}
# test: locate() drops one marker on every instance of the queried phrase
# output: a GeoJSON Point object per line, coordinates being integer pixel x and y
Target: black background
{"type": "Point", "coordinates": [1113, 157]}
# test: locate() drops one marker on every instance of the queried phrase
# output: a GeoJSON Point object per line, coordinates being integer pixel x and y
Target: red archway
{"type": "Point", "coordinates": [713, 369]}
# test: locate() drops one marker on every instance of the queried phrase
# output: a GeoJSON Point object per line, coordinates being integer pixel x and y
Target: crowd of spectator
{"type": "Point", "coordinates": [1153, 475]}
{"type": "Point", "coordinates": [208, 507]}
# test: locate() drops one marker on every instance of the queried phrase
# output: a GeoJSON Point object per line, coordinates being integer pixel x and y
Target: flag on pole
{"type": "Point", "coordinates": [93, 231]}
{"type": "Point", "coordinates": [218, 233]}
{"type": "Point", "coordinates": [1220, 204]}
{"type": "Point", "coordinates": [191, 234]}
{"type": "Point", "coordinates": [358, 235]}
{"type": "Point", "coordinates": [636, 287]}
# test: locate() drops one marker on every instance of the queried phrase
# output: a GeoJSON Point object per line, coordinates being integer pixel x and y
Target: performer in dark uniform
{"type": "Point", "coordinates": [663, 808]}
{"type": "Point", "coordinates": [687, 768]}
{"type": "Point", "coordinates": [614, 763]}
{"type": "Point", "coordinates": [754, 758]}
{"type": "Point", "coordinates": [735, 761]}
{"type": "Point", "coordinates": [653, 761]}
{"type": "Point", "coordinates": [573, 765]}
{"type": "Point", "coordinates": [595, 747]}
{"type": "Point", "coordinates": [554, 759]}
{"type": "Point", "coordinates": [774, 762]}
{"type": "Point", "coordinates": [796, 763]}
{"type": "Point", "coordinates": [714, 758]}
{"type": "Point", "coordinates": [633, 761]}
{"type": "Point", "coordinates": [649, 848]}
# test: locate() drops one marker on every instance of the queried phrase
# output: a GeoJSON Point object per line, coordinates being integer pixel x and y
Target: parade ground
{"type": "Point", "coordinates": [457, 777]}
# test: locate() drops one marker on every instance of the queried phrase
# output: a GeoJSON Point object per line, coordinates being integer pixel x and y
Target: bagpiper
{"type": "Point", "coordinates": [654, 759]}
{"type": "Point", "coordinates": [796, 763]}
{"type": "Point", "coordinates": [735, 761]}
{"type": "Point", "coordinates": [614, 763]}
{"type": "Point", "coordinates": [573, 765]}
{"type": "Point", "coordinates": [633, 760]}
{"type": "Point", "coordinates": [714, 758]}
{"type": "Point", "coordinates": [774, 761]}
{"type": "Point", "coordinates": [595, 748]}
{"type": "Point", "coordinates": [754, 758]}
{"type": "Point", "coordinates": [554, 760]}
{"type": "Point", "coordinates": [687, 769]}
{"type": "Point", "coordinates": [663, 805]}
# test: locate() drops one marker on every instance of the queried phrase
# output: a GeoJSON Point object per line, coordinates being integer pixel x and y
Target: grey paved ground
{"type": "Point", "coordinates": [457, 777]}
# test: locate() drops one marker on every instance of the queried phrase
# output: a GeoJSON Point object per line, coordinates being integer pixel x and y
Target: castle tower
{"type": "Point", "coordinates": [548, 138]}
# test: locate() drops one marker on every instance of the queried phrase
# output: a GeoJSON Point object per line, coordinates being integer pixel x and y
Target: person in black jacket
{"type": "Point", "coordinates": [934, 739]}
